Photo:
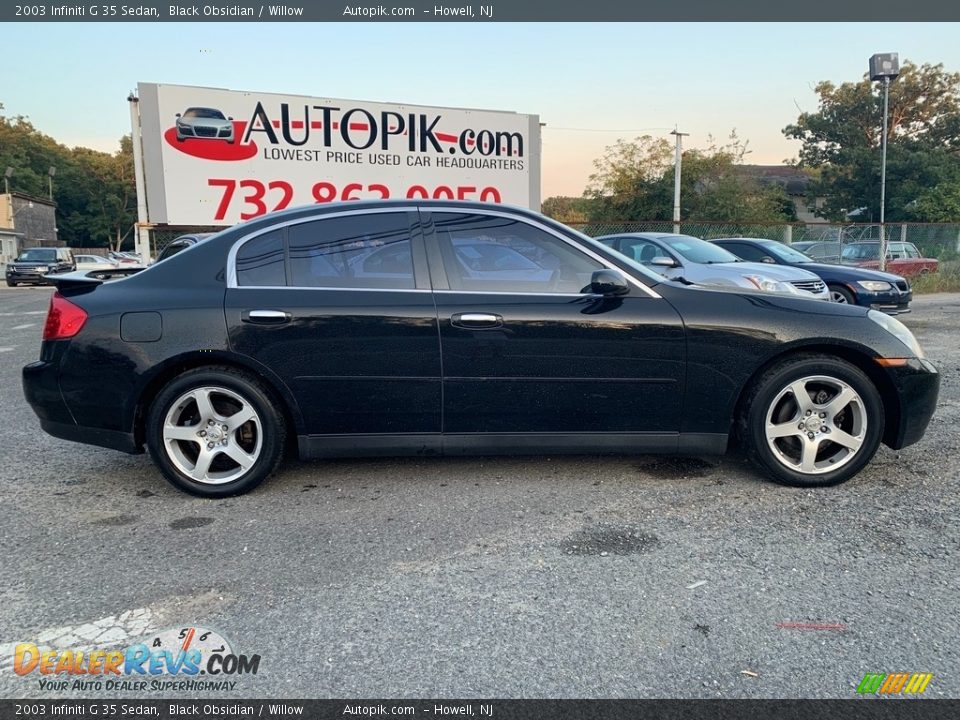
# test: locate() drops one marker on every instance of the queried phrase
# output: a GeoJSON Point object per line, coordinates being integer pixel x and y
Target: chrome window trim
{"type": "Point", "coordinates": [235, 248]}
{"type": "Point", "coordinates": [327, 287]}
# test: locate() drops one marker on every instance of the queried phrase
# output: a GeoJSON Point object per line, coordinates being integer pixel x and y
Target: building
{"type": "Point", "coordinates": [26, 221]}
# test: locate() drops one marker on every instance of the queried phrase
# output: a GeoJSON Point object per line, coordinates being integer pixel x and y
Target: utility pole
{"type": "Point", "coordinates": [677, 162]}
{"type": "Point", "coordinates": [885, 67]}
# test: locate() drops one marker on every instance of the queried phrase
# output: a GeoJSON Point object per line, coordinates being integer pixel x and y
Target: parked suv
{"type": "Point", "coordinates": [33, 264]}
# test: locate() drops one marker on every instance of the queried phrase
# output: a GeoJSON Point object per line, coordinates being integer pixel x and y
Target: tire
{"type": "Point", "coordinates": [769, 426]}
{"type": "Point", "coordinates": [11, 283]}
{"type": "Point", "coordinates": [840, 294]}
{"type": "Point", "coordinates": [244, 434]}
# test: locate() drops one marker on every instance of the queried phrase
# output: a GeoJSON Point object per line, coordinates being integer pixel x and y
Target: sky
{"type": "Point", "coordinates": [590, 83]}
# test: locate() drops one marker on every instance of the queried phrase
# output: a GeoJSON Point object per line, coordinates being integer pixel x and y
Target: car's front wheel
{"type": "Point", "coordinates": [11, 283]}
{"type": "Point", "coordinates": [812, 421]}
{"type": "Point", "coordinates": [215, 432]}
{"type": "Point", "coordinates": [840, 294]}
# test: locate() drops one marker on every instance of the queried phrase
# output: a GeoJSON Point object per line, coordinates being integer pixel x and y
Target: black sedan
{"type": "Point", "coordinates": [855, 286]}
{"type": "Point", "coordinates": [417, 327]}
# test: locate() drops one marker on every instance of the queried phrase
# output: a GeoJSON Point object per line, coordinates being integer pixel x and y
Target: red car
{"type": "Point", "coordinates": [903, 258]}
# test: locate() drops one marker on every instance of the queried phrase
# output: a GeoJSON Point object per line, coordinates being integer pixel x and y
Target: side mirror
{"type": "Point", "coordinates": [178, 114]}
{"type": "Point", "coordinates": [230, 119]}
{"type": "Point", "coordinates": [768, 259]}
{"type": "Point", "coordinates": [663, 261]}
{"type": "Point", "coordinates": [608, 282]}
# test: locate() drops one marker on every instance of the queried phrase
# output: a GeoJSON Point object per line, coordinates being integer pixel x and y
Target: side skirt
{"type": "Point", "coordinates": [325, 446]}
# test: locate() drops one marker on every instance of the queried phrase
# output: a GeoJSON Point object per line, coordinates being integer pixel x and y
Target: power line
{"type": "Point", "coordinates": [597, 130]}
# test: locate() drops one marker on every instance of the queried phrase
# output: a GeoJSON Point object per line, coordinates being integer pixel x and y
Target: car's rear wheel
{"type": "Point", "coordinates": [215, 432]}
{"type": "Point", "coordinates": [812, 421]}
{"type": "Point", "coordinates": [840, 294]}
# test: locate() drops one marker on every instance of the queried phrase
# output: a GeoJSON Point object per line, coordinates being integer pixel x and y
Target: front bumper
{"type": "Point", "coordinates": [26, 276]}
{"type": "Point", "coordinates": [917, 385]}
{"type": "Point", "coordinates": [891, 302]}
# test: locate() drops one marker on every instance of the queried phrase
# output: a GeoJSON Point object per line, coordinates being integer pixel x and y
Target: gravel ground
{"type": "Point", "coordinates": [518, 577]}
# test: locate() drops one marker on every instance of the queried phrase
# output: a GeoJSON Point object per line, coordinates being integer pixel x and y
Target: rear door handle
{"type": "Point", "coordinates": [476, 320]}
{"type": "Point", "coordinates": [265, 317]}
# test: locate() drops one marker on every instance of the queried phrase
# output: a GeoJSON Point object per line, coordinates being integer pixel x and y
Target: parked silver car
{"type": "Point", "coordinates": [94, 262]}
{"type": "Point", "coordinates": [200, 122]}
{"type": "Point", "coordinates": [683, 257]}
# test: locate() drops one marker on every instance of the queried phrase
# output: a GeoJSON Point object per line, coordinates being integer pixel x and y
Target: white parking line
{"type": "Point", "coordinates": [8, 349]}
{"type": "Point", "coordinates": [24, 327]}
{"type": "Point", "coordinates": [103, 633]}
{"type": "Point", "coordinates": [28, 312]}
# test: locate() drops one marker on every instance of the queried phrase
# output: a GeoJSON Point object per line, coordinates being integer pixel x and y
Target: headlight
{"type": "Point", "coordinates": [769, 285]}
{"type": "Point", "coordinates": [874, 285]}
{"type": "Point", "coordinates": [896, 328]}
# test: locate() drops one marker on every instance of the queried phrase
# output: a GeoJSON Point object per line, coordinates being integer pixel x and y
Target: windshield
{"type": "Point", "coordinates": [696, 250]}
{"type": "Point", "coordinates": [204, 113]}
{"type": "Point", "coordinates": [785, 252]}
{"type": "Point", "coordinates": [38, 255]}
{"type": "Point", "coordinates": [861, 252]}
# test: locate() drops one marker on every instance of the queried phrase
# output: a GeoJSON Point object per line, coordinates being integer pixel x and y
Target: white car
{"type": "Point", "coordinates": [94, 262]}
{"type": "Point", "coordinates": [200, 122]}
{"type": "Point", "coordinates": [690, 259]}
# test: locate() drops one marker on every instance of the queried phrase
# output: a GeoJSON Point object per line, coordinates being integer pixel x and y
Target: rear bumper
{"type": "Point", "coordinates": [41, 388]}
{"type": "Point", "coordinates": [918, 387]}
{"type": "Point", "coordinates": [112, 439]}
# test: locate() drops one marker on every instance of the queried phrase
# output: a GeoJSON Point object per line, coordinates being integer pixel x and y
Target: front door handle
{"type": "Point", "coordinates": [476, 320]}
{"type": "Point", "coordinates": [265, 317]}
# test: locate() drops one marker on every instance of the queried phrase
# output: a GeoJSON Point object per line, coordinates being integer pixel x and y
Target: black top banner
{"type": "Point", "coordinates": [859, 11]}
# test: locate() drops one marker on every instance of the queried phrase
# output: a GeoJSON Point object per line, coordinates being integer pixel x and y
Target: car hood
{"type": "Point", "coordinates": [851, 272]}
{"type": "Point", "coordinates": [205, 122]}
{"type": "Point", "coordinates": [33, 263]}
{"type": "Point", "coordinates": [785, 273]}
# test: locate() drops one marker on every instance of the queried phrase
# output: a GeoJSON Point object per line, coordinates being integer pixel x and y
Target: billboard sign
{"type": "Point", "coordinates": [216, 157]}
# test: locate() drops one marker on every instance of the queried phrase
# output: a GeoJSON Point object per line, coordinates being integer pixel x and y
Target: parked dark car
{"type": "Point", "coordinates": [227, 353]}
{"type": "Point", "coordinates": [32, 265]}
{"type": "Point", "coordinates": [857, 286]}
{"type": "Point", "coordinates": [180, 243]}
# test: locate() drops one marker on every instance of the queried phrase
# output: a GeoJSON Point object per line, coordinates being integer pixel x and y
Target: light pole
{"type": "Point", "coordinates": [885, 67]}
{"type": "Point", "coordinates": [677, 162]}
{"type": "Point", "coordinates": [7, 174]}
{"type": "Point", "coordinates": [50, 173]}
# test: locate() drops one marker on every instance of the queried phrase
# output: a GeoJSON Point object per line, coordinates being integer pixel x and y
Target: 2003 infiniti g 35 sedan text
{"type": "Point", "coordinates": [406, 327]}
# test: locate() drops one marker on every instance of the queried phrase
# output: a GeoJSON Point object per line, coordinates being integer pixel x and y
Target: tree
{"type": "Point", "coordinates": [634, 181]}
{"type": "Point", "coordinates": [94, 191]}
{"type": "Point", "coordinates": [842, 141]}
{"type": "Point", "coordinates": [566, 209]}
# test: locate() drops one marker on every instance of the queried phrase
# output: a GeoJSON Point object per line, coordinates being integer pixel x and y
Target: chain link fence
{"type": "Point", "coordinates": [940, 241]}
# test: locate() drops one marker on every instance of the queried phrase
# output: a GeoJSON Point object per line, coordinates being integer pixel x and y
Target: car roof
{"type": "Point", "coordinates": [649, 235]}
{"type": "Point", "coordinates": [747, 239]}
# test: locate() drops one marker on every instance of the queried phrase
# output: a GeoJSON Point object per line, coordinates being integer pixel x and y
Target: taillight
{"type": "Point", "coordinates": [64, 319]}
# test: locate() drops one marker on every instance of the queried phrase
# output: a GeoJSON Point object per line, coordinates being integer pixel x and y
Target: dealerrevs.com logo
{"type": "Point", "coordinates": [171, 660]}
{"type": "Point", "coordinates": [217, 137]}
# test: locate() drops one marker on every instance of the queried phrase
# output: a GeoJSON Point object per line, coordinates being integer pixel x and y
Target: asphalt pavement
{"type": "Point", "coordinates": [557, 577]}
